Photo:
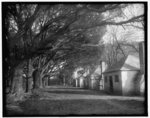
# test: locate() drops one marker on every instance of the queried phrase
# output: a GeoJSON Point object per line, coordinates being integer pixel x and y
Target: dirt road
{"type": "Point", "coordinates": [59, 100]}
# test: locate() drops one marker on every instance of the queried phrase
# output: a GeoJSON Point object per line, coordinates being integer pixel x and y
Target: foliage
{"type": "Point", "coordinates": [53, 34]}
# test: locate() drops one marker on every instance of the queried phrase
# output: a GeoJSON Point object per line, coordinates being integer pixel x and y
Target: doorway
{"type": "Point", "coordinates": [111, 84]}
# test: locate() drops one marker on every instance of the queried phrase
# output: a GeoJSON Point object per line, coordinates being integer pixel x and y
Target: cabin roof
{"type": "Point", "coordinates": [131, 62]}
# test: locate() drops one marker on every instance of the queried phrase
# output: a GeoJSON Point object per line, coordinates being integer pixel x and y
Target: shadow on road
{"type": "Point", "coordinates": [72, 90]}
{"type": "Point", "coordinates": [80, 107]}
{"type": "Point", "coordinates": [82, 92]}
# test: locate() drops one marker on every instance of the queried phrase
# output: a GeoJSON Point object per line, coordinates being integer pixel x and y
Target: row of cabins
{"type": "Point", "coordinates": [94, 81]}
{"type": "Point", "coordinates": [125, 77]}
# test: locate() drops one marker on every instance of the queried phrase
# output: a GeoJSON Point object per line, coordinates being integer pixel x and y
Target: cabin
{"type": "Point", "coordinates": [123, 78]}
{"type": "Point", "coordinates": [96, 80]}
{"type": "Point", "coordinates": [79, 78]}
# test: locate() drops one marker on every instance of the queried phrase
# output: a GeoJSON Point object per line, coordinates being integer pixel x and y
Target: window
{"type": "Point", "coordinates": [116, 78]}
{"type": "Point", "coordinates": [105, 79]}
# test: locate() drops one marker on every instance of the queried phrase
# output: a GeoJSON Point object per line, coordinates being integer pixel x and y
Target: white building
{"type": "Point", "coordinates": [124, 77]}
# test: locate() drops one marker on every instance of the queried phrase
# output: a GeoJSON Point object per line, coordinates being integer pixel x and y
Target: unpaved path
{"type": "Point", "coordinates": [59, 100]}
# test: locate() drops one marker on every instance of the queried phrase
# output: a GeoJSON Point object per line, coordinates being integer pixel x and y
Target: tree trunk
{"type": "Point", "coordinates": [64, 81]}
{"type": "Point", "coordinates": [29, 79]}
{"type": "Point", "coordinates": [36, 79]}
{"type": "Point", "coordinates": [46, 81]}
{"type": "Point", "coordinates": [30, 84]}
{"type": "Point", "coordinates": [41, 81]}
{"type": "Point", "coordinates": [27, 76]}
{"type": "Point", "coordinates": [10, 80]}
{"type": "Point", "coordinates": [17, 82]}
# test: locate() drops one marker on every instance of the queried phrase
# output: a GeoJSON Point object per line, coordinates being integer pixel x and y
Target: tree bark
{"type": "Point", "coordinates": [17, 82]}
{"type": "Point", "coordinates": [36, 79]}
{"type": "Point", "coordinates": [29, 79]}
{"type": "Point", "coordinates": [41, 81]}
{"type": "Point", "coordinates": [27, 76]}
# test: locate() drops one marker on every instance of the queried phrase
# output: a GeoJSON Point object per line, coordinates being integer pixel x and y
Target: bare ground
{"type": "Point", "coordinates": [58, 100]}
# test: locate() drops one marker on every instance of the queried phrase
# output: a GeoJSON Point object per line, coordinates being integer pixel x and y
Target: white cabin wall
{"type": "Point", "coordinates": [128, 82]}
{"type": "Point", "coordinates": [117, 86]}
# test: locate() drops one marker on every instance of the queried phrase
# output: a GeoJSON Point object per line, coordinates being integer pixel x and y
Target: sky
{"type": "Point", "coordinates": [125, 32]}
